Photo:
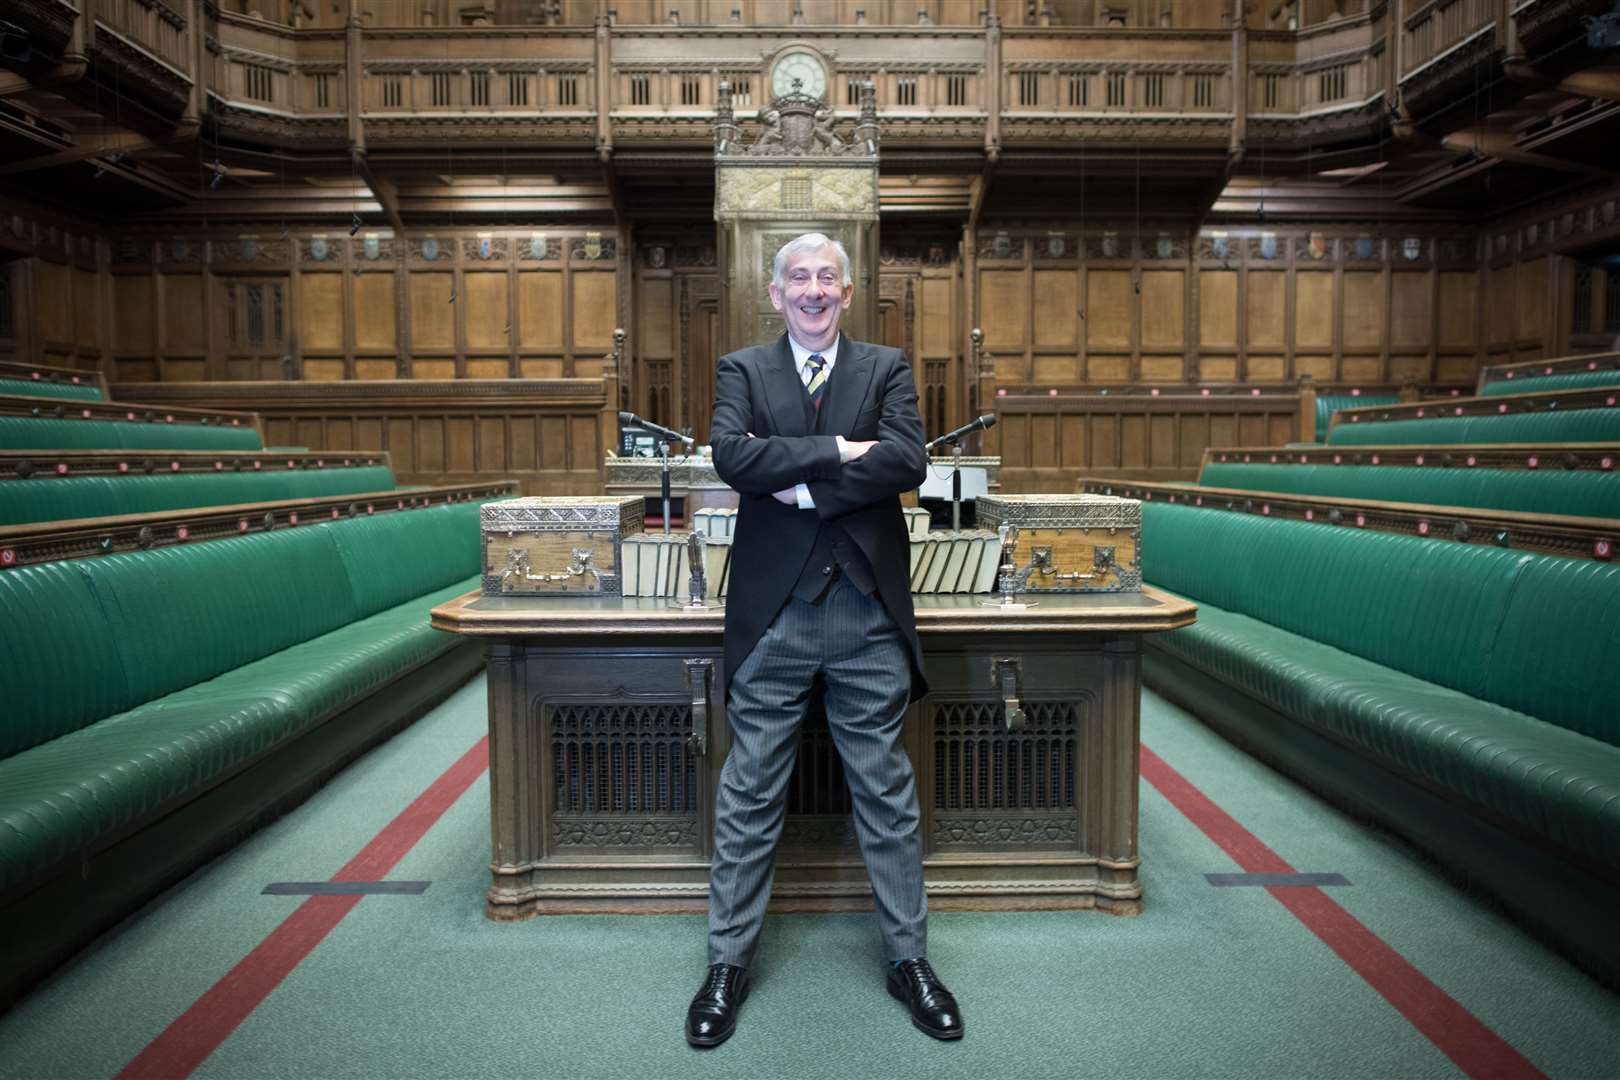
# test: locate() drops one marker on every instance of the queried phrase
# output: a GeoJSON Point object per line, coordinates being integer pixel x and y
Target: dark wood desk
{"type": "Point", "coordinates": [607, 738]}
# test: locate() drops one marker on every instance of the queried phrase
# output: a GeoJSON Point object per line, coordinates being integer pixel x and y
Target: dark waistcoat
{"type": "Point", "coordinates": [833, 549]}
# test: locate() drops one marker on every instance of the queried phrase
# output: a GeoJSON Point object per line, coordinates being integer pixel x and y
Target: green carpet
{"type": "Point", "coordinates": [1208, 982]}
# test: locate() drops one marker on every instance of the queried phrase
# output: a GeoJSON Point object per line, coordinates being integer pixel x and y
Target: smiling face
{"type": "Point", "coordinates": [812, 298]}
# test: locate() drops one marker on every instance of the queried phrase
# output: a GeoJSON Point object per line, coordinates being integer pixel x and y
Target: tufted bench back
{"type": "Point", "coordinates": [53, 433]}
{"type": "Point", "coordinates": [57, 498]}
{"type": "Point", "coordinates": [83, 391]}
{"type": "Point", "coordinates": [1561, 380]}
{"type": "Point", "coordinates": [87, 638]}
{"type": "Point", "coordinates": [1328, 404]}
{"type": "Point", "coordinates": [1572, 425]}
{"type": "Point", "coordinates": [1528, 632]}
{"type": "Point", "coordinates": [1587, 493]}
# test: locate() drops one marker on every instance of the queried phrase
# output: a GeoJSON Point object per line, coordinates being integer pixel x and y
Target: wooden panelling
{"type": "Point", "coordinates": [183, 328]}
{"type": "Point", "coordinates": [1162, 368]}
{"type": "Point", "coordinates": [540, 369]}
{"type": "Point", "coordinates": [322, 369]}
{"type": "Point", "coordinates": [1056, 369]}
{"type": "Point", "coordinates": [1003, 309]}
{"type": "Point", "coordinates": [1108, 369]}
{"type": "Point", "coordinates": [184, 370]}
{"type": "Point", "coordinates": [433, 323]}
{"type": "Point", "coordinates": [1502, 312]}
{"type": "Point", "coordinates": [1217, 368]}
{"type": "Point", "coordinates": [320, 322]}
{"type": "Point", "coordinates": [487, 313]}
{"type": "Point", "coordinates": [487, 369]}
{"type": "Point", "coordinates": [1457, 369]}
{"type": "Point", "coordinates": [53, 283]}
{"type": "Point", "coordinates": [1459, 310]}
{"type": "Point", "coordinates": [87, 315]}
{"type": "Point", "coordinates": [1267, 368]}
{"type": "Point", "coordinates": [1266, 323]}
{"type": "Point", "coordinates": [1164, 310]}
{"type": "Point", "coordinates": [1313, 310]}
{"type": "Point", "coordinates": [1408, 369]}
{"type": "Point", "coordinates": [937, 325]}
{"type": "Point", "coordinates": [135, 371]}
{"type": "Point", "coordinates": [132, 296]}
{"type": "Point", "coordinates": [375, 322]}
{"type": "Point", "coordinates": [1110, 306]}
{"type": "Point", "coordinates": [1217, 310]}
{"type": "Point", "coordinates": [1046, 441]}
{"type": "Point", "coordinates": [1363, 308]}
{"type": "Point", "coordinates": [1319, 368]}
{"type": "Point", "coordinates": [540, 310]}
{"type": "Point", "coordinates": [657, 318]}
{"type": "Point", "coordinates": [595, 309]}
{"type": "Point", "coordinates": [433, 369]}
{"type": "Point", "coordinates": [1354, 369]}
{"type": "Point", "coordinates": [1056, 314]}
{"type": "Point", "coordinates": [1532, 296]}
{"type": "Point", "coordinates": [1411, 311]}
{"type": "Point", "coordinates": [375, 369]}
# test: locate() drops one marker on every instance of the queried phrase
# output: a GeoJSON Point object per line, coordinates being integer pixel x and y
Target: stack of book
{"type": "Point", "coordinates": [959, 561]}
{"type": "Point", "coordinates": [942, 561]}
{"type": "Point", "coordinates": [715, 522]}
{"type": "Point", "coordinates": [655, 565]}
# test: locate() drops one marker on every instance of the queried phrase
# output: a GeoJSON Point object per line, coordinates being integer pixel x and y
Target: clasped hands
{"type": "Point", "coordinates": [848, 450]}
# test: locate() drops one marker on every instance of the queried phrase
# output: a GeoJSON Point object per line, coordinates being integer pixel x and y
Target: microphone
{"type": "Point", "coordinates": [631, 419]}
{"type": "Point", "coordinates": [985, 421]}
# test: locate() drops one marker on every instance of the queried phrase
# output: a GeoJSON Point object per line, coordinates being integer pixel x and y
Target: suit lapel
{"type": "Point", "coordinates": [846, 388]}
{"type": "Point", "coordinates": [784, 393]}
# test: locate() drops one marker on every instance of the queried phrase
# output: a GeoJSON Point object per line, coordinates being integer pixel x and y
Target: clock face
{"type": "Point", "coordinates": [804, 67]}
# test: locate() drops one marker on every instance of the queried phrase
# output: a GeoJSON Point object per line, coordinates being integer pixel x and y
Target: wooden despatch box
{"type": "Point", "coordinates": [557, 546]}
{"type": "Point", "coordinates": [1071, 543]}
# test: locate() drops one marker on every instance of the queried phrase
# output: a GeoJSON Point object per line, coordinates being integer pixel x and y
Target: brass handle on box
{"type": "Point", "coordinates": [517, 567]}
{"type": "Point", "coordinates": [1008, 677]}
{"type": "Point", "coordinates": [1102, 563]}
{"type": "Point", "coordinates": [699, 672]}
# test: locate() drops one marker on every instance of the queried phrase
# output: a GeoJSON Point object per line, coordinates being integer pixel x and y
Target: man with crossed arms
{"type": "Point", "coordinates": [819, 435]}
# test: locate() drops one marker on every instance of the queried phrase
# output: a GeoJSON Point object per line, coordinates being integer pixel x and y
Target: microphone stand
{"type": "Point", "coordinates": [663, 480]}
{"type": "Point", "coordinates": [956, 484]}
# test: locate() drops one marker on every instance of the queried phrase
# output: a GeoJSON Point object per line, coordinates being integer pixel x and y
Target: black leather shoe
{"type": "Point", "coordinates": [712, 1016]}
{"type": "Point", "coordinates": [933, 1009]}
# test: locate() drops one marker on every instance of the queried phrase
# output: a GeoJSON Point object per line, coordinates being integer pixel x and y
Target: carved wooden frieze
{"type": "Point", "coordinates": [775, 191]}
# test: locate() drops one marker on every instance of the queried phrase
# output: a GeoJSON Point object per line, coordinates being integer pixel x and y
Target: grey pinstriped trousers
{"type": "Point", "coordinates": [850, 639]}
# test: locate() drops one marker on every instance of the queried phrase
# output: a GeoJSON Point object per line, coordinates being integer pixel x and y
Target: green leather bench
{"type": "Point", "coordinates": [1561, 380]}
{"type": "Point", "coordinates": [57, 433]}
{"type": "Point", "coordinates": [1461, 694]}
{"type": "Point", "coordinates": [48, 388]}
{"type": "Point", "coordinates": [1571, 425]}
{"type": "Point", "coordinates": [1328, 404]}
{"type": "Point", "coordinates": [1585, 493]}
{"type": "Point", "coordinates": [54, 498]}
{"type": "Point", "coordinates": [161, 702]}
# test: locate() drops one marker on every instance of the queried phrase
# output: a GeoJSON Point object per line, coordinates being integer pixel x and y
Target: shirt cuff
{"type": "Point", "coordinates": [802, 493]}
{"type": "Point", "coordinates": [843, 450]}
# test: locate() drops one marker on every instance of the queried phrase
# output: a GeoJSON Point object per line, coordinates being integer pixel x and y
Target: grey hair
{"type": "Point", "coordinates": [810, 241]}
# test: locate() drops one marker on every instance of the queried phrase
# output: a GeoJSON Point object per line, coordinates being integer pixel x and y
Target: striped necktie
{"type": "Point", "coordinates": [817, 386]}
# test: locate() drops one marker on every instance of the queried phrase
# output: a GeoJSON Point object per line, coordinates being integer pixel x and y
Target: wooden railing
{"type": "Point", "coordinates": [549, 435]}
{"type": "Point", "coordinates": [153, 25]}
{"type": "Point", "coordinates": [1440, 25]}
{"type": "Point", "coordinates": [1047, 443]}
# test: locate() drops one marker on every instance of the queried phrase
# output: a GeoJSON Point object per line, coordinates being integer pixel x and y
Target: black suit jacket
{"type": "Point", "coordinates": [870, 395]}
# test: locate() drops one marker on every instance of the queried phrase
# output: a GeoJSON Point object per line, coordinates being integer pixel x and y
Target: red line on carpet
{"type": "Point", "coordinates": [197, 1032]}
{"type": "Point", "coordinates": [1458, 1033]}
